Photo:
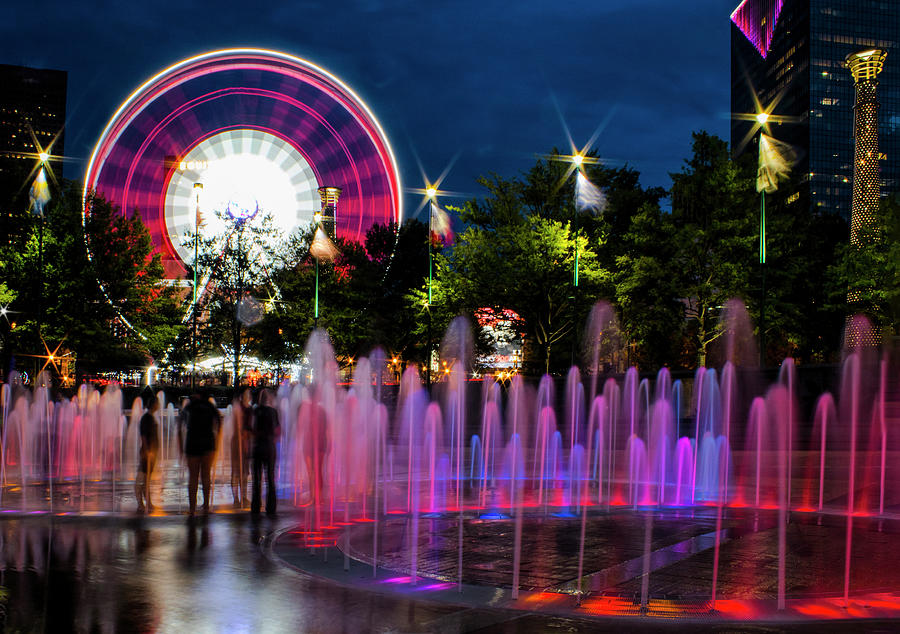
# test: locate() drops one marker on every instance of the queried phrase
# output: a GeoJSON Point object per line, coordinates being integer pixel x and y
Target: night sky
{"type": "Point", "coordinates": [485, 81]}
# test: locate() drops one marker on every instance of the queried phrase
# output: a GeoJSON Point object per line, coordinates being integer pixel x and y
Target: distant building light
{"type": "Point", "coordinates": [193, 166]}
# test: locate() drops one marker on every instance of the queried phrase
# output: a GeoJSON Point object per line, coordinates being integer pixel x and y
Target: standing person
{"type": "Point", "coordinates": [266, 430]}
{"type": "Point", "coordinates": [149, 431]}
{"type": "Point", "coordinates": [312, 419]}
{"type": "Point", "coordinates": [202, 422]}
{"type": "Point", "coordinates": [241, 438]}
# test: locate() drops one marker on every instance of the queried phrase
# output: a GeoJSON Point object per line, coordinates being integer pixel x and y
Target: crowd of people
{"type": "Point", "coordinates": [254, 438]}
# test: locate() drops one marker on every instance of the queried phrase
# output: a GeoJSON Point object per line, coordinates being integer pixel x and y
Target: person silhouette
{"type": "Point", "coordinates": [149, 432]}
{"type": "Point", "coordinates": [313, 423]}
{"type": "Point", "coordinates": [241, 443]}
{"type": "Point", "coordinates": [201, 425]}
{"type": "Point", "coordinates": [266, 431]}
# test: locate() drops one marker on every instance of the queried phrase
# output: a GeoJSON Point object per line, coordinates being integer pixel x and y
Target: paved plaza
{"type": "Point", "coordinates": [229, 571]}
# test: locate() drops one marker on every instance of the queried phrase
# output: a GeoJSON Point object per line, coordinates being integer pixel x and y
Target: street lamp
{"type": "Point", "coordinates": [431, 193]}
{"type": "Point", "coordinates": [438, 223]}
{"type": "Point", "coordinates": [198, 189]}
{"type": "Point", "coordinates": [587, 197]}
{"type": "Point", "coordinates": [40, 195]}
{"type": "Point", "coordinates": [774, 163]}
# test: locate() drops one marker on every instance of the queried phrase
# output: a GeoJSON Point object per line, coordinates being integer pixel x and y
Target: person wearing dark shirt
{"type": "Point", "coordinates": [266, 430]}
{"type": "Point", "coordinates": [201, 424]}
{"type": "Point", "coordinates": [149, 432]}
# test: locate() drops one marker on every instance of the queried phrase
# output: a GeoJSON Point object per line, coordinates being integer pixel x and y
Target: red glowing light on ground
{"type": "Point", "coordinates": [820, 610]}
{"type": "Point", "coordinates": [544, 598]}
{"type": "Point", "coordinates": [609, 606]}
{"type": "Point", "coordinates": [736, 609]}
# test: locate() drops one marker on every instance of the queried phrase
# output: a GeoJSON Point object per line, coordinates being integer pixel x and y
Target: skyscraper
{"type": "Point", "coordinates": [788, 58]}
{"type": "Point", "coordinates": [32, 116]}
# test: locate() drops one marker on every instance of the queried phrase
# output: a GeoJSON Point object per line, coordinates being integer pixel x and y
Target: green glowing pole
{"type": "Point", "coordinates": [575, 291]}
{"type": "Point", "coordinates": [762, 266]}
{"type": "Point", "coordinates": [40, 275]}
{"type": "Point", "coordinates": [316, 313]}
{"type": "Point", "coordinates": [430, 275]}
{"type": "Point", "coordinates": [575, 220]}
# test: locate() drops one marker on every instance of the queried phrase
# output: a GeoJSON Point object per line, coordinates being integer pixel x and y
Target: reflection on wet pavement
{"type": "Point", "coordinates": [172, 574]}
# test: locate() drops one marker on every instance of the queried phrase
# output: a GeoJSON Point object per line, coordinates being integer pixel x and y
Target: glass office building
{"type": "Point", "coordinates": [32, 117]}
{"type": "Point", "coordinates": [788, 58]}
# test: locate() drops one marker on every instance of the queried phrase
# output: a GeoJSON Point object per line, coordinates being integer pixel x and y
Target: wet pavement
{"type": "Point", "coordinates": [92, 565]}
{"type": "Point", "coordinates": [175, 574]}
{"type": "Point", "coordinates": [681, 544]}
{"type": "Point", "coordinates": [229, 572]}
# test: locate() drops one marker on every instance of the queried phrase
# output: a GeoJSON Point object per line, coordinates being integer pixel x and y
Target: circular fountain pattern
{"type": "Point", "coordinates": [279, 125]}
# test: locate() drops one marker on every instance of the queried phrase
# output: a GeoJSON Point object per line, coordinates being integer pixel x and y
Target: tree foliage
{"type": "Point", "coordinates": [518, 252]}
{"type": "Point", "coordinates": [361, 295]}
{"type": "Point", "coordinates": [865, 277]}
{"type": "Point", "coordinates": [231, 274]}
{"type": "Point", "coordinates": [93, 286]}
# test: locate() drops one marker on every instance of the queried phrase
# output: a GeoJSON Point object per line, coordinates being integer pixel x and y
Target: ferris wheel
{"type": "Point", "coordinates": [254, 131]}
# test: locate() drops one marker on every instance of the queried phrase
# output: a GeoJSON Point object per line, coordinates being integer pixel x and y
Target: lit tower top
{"type": "Point", "coordinates": [865, 67]}
{"type": "Point", "coordinates": [756, 19]}
{"type": "Point", "coordinates": [329, 197]}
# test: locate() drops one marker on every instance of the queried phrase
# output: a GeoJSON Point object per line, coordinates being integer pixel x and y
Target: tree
{"type": "Point", "coordinates": [865, 277]}
{"type": "Point", "coordinates": [230, 275]}
{"type": "Point", "coordinates": [799, 320]}
{"type": "Point", "coordinates": [361, 294]}
{"type": "Point", "coordinates": [647, 290]}
{"type": "Point", "coordinates": [130, 277]}
{"type": "Point", "coordinates": [518, 253]}
{"type": "Point", "coordinates": [7, 295]}
{"type": "Point", "coordinates": [95, 288]}
{"type": "Point", "coordinates": [715, 230]}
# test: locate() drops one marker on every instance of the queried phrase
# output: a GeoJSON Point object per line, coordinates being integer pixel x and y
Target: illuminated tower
{"type": "Point", "coordinates": [865, 67]}
{"type": "Point", "coordinates": [329, 197]}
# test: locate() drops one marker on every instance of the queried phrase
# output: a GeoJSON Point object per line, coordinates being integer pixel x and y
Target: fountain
{"type": "Point", "coordinates": [626, 476]}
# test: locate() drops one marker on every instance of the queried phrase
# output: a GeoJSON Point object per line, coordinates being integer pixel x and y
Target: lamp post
{"type": "Point", "coordinates": [762, 118]}
{"type": "Point", "coordinates": [40, 272]}
{"type": "Point", "coordinates": [41, 182]}
{"type": "Point", "coordinates": [431, 192]}
{"type": "Point", "coordinates": [198, 189]}
{"type": "Point", "coordinates": [578, 161]}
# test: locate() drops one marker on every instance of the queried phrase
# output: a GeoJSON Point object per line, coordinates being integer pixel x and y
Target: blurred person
{"type": "Point", "coordinates": [201, 425]}
{"type": "Point", "coordinates": [241, 438]}
{"type": "Point", "coordinates": [312, 420]}
{"type": "Point", "coordinates": [149, 432]}
{"type": "Point", "coordinates": [266, 431]}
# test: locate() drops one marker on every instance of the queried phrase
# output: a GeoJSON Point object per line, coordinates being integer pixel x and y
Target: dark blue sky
{"type": "Point", "coordinates": [477, 78]}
